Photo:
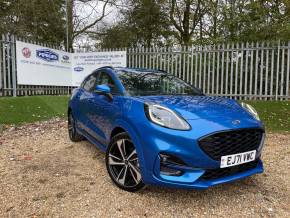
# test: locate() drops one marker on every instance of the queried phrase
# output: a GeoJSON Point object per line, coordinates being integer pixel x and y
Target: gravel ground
{"type": "Point", "coordinates": [44, 174]}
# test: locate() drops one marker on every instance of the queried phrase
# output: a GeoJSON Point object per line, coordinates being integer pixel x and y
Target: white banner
{"type": "Point", "coordinates": [37, 65]}
{"type": "Point", "coordinates": [86, 63]}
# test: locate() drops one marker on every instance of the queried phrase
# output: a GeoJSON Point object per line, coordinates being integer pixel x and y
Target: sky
{"type": "Point", "coordinates": [88, 12]}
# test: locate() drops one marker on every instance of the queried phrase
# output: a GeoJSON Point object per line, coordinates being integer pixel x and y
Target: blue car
{"type": "Point", "coordinates": [157, 129]}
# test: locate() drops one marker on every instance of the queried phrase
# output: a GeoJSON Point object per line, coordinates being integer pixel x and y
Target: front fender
{"type": "Point", "coordinates": [135, 138]}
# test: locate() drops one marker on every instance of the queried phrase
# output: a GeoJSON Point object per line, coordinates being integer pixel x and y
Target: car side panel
{"type": "Point", "coordinates": [102, 114]}
{"type": "Point", "coordinates": [75, 104]}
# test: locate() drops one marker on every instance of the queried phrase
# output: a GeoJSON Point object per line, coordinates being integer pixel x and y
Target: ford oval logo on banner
{"type": "Point", "coordinates": [65, 57]}
{"type": "Point", "coordinates": [78, 69]}
{"type": "Point", "coordinates": [47, 55]}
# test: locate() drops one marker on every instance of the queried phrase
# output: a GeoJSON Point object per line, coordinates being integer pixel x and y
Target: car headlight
{"type": "Point", "coordinates": [251, 110]}
{"type": "Point", "coordinates": [165, 117]}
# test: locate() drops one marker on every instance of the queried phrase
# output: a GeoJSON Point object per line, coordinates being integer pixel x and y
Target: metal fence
{"type": "Point", "coordinates": [241, 71]}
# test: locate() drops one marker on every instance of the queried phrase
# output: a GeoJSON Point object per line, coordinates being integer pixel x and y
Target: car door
{"type": "Point", "coordinates": [103, 111]}
{"type": "Point", "coordinates": [84, 103]}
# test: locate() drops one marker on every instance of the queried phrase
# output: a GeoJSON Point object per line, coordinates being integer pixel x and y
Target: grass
{"type": "Point", "coordinates": [275, 114]}
{"type": "Point", "coordinates": [33, 108]}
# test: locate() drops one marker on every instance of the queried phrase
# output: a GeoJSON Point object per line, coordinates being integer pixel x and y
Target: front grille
{"type": "Point", "coordinates": [231, 142]}
{"type": "Point", "coordinates": [222, 172]}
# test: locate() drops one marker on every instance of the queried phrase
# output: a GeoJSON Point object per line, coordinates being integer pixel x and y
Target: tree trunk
{"type": "Point", "coordinates": [69, 33]}
{"type": "Point", "coordinates": [185, 39]}
{"type": "Point", "coordinates": [200, 30]}
{"type": "Point", "coordinates": [215, 9]}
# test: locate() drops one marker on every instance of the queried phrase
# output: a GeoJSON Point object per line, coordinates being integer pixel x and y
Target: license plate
{"type": "Point", "coordinates": [237, 159]}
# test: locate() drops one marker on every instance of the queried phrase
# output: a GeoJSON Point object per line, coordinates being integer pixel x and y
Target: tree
{"type": "Point", "coordinates": [117, 36]}
{"type": "Point", "coordinates": [148, 22]}
{"type": "Point", "coordinates": [79, 25]}
{"type": "Point", "coordinates": [32, 22]}
{"type": "Point", "coordinates": [3, 14]}
{"type": "Point", "coordinates": [70, 24]}
{"type": "Point", "coordinates": [143, 23]}
{"type": "Point", "coordinates": [185, 16]}
{"type": "Point", "coordinates": [256, 20]}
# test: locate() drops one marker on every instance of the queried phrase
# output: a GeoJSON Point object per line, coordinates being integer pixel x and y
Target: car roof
{"type": "Point", "coordinates": [135, 70]}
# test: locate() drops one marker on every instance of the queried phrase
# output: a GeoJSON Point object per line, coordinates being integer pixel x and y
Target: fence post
{"type": "Point", "coordinates": [1, 44]}
{"type": "Point", "coordinates": [232, 69]}
{"type": "Point", "coordinates": [277, 72]}
{"type": "Point", "coordinates": [4, 64]}
{"type": "Point", "coordinates": [222, 70]}
{"type": "Point", "coordinates": [204, 69]}
{"type": "Point", "coordinates": [267, 71]}
{"type": "Point", "coordinates": [213, 71]}
{"type": "Point", "coordinates": [14, 79]}
{"type": "Point", "coordinates": [196, 51]}
{"type": "Point", "coordinates": [261, 70]}
{"type": "Point", "coordinates": [208, 70]}
{"type": "Point", "coordinates": [287, 73]}
{"type": "Point", "coordinates": [241, 73]}
{"type": "Point", "coordinates": [282, 72]}
{"type": "Point", "coordinates": [191, 67]}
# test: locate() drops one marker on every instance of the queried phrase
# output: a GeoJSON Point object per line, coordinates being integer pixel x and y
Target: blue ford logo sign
{"type": "Point", "coordinates": [47, 55]}
{"type": "Point", "coordinates": [65, 57]}
{"type": "Point", "coordinates": [78, 69]}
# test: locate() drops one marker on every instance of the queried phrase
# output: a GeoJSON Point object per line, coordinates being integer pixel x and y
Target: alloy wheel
{"type": "Point", "coordinates": [123, 164]}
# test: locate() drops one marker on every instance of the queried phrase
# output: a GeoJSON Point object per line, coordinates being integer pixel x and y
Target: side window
{"type": "Point", "coordinates": [106, 79]}
{"type": "Point", "coordinates": [89, 83]}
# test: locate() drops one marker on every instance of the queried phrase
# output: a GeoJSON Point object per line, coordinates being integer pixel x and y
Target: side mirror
{"type": "Point", "coordinates": [104, 90]}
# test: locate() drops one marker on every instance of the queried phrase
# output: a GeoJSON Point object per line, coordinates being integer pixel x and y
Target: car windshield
{"type": "Point", "coordinates": [155, 83]}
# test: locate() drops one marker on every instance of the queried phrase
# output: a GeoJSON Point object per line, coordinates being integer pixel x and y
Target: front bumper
{"type": "Point", "coordinates": [154, 140]}
{"type": "Point", "coordinates": [192, 179]}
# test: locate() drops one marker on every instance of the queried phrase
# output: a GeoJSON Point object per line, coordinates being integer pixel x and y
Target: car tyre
{"type": "Point", "coordinates": [72, 132]}
{"type": "Point", "coordinates": [123, 164]}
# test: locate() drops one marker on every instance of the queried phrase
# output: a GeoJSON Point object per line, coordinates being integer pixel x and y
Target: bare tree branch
{"type": "Point", "coordinates": [87, 27]}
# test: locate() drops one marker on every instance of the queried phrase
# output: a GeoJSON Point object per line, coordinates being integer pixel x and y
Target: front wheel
{"type": "Point", "coordinates": [123, 164]}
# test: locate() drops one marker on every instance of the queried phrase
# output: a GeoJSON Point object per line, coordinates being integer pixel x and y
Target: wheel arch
{"type": "Point", "coordinates": [117, 130]}
{"type": "Point", "coordinates": [123, 126]}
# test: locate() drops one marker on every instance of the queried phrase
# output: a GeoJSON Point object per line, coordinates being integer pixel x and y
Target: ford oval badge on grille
{"type": "Point", "coordinates": [47, 55]}
{"type": "Point", "coordinates": [236, 122]}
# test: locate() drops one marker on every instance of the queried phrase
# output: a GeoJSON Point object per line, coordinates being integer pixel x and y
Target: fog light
{"type": "Point", "coordinates": [169, 171]}
{"type": "Point", "coordinates": [170, 159]}
{"type": "Point", "coordinates": [168, 164]}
